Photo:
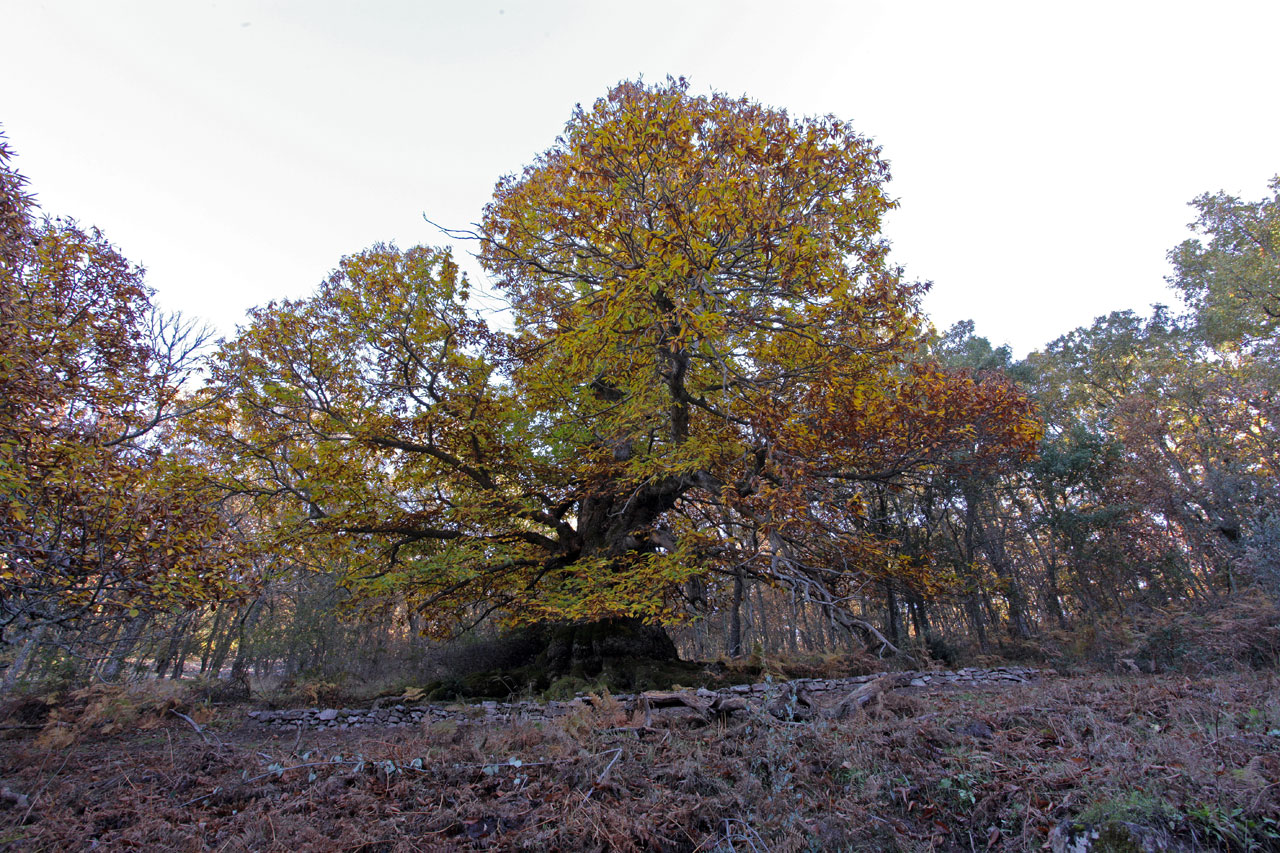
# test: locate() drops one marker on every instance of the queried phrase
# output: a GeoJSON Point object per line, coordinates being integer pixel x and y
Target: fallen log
{"type": "Point", "coordinates": [708, 704]}
{"type": "Point", "coordinates": [650, 700]}
{"type": "Point", "coordinates": [860, 698]}
{"type": "Point", "coordinates": [793, 703]}
{"type": "Point", "coordinates": [726, 705]}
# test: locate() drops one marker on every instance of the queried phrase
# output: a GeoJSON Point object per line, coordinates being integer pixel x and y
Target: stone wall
{"type": "Point", "coordinates": [405, 715]}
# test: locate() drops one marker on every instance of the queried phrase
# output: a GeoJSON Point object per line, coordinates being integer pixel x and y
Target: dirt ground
{"type": "Point", "coordinates": [1186, 763]}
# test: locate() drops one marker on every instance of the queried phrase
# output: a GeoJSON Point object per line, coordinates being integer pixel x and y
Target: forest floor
{"type": "Point", "coordinates": [1173, 762]}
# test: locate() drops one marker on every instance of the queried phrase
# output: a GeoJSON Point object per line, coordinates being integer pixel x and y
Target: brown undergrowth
{"type": "Point", "coordinates": [980, 769]}
{"type": "Point", "coordinates": [1197, 638]}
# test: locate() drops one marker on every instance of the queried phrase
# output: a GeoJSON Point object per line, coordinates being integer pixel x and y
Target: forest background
{"type": "Point", "coordinates": [720, 410]}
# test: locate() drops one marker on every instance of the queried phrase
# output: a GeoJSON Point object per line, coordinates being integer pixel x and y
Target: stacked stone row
{"type": "Point", "coordinates": [403, 715]}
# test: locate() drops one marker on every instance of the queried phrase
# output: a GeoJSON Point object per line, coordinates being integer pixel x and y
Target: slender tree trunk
{"type": "Point", "coordinates": [1052, 592]}
{"type": "Point", "coordinates": [19, 665]}
{"type": "Point", "coordinates": [1011, 588]}
{"type": "Point", "coordinates": [989, 608]}
{"type": "Point", "coordinates": [979, 534]}
{"type": "Point", "coordinates": [893, 621]}
{"type": "Point", "coordinates": [735, 615]}
{"type": "Point", "coordinates": [919, 617]}
{"type": "Point", "coordinates": [973, 609]}
{"type": "Point", "coordinates": [184, 653]}
{"type": "Point", "coordinates": [211, 643]}
{"type": "Point", "coordinates": [760, 620]}
{"type": "Point", "coordinates": [240, 666]}
{"type": "Point", "coordinates": [826, 639]}
{"type": "Point", "coordinates": [103, 640]}
{"type": "Point", "coordinates": [222, 649]}
{"type": "Point", "coordinates": [177, 639]}
{"type": "Point", "coordinates": [1053, 595]}
{"type": "Point", "coordinates": [792, 625]}
{"type": "Point", "coordinates": [806, 627]}
{"type": "Point", "coordinates": [126, 644]}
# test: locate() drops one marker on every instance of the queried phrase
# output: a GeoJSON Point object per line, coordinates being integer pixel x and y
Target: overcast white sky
{"type": "Point", "coordinates": [1043, 153]}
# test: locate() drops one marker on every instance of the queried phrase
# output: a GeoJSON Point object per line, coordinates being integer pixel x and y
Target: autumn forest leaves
{"type": "Point", "coordinates": [716, 406]}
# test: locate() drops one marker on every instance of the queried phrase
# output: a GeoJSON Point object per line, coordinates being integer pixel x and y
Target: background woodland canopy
{"type": "Point", "coordinates": [714, 405]}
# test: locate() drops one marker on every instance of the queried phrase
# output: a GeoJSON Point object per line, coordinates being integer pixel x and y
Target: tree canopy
{"type": "Point", "coordinates": [1233, 283]}
{"type": "Point", "coordinates": [98, 516]}
{"type": "Point", "coordinates": [710, 357]}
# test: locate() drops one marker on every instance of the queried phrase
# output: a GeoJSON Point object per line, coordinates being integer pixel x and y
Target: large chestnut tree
{"type": "Point", "coordinates": [706, 359]}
